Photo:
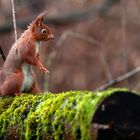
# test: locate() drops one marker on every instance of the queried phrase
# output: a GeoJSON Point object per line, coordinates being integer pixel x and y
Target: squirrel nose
{"type": "Point", "coordinates": [51, 36]}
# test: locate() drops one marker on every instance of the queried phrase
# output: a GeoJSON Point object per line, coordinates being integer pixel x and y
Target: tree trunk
{"type": "Point", "coordinates": [73, 115]}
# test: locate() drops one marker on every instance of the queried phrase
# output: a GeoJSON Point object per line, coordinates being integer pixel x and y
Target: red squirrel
{"type": "Point", "coordinates": [17, 75]}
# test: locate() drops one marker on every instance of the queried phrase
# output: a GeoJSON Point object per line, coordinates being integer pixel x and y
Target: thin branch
{"type": "Point", "coordinates": [60, 43]}
{"type": "Point", "coordinates": [14, 19]}
{"type": "Point", "coordinates": [2, 53]}
{"type": "Point", "coordinates": [52, 57]}
{"type": "Point", "coordinates": [119, 79]}
{"type": "Point", "coordinates": [124, 36]}
{"type": "Point", "coordinates": [72, 17]}
{"type": "Point", "coordinates": [105, 64]}
{"type": "Point", "coordinates": [95, 42]}
{"type": "Point", "coordinates": [101, 126]}
{"type": "Point", "coordinates": [116, 127]}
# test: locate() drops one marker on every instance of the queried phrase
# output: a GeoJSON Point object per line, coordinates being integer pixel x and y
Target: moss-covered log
{"type": "Point", "coordinates": [73, 115]}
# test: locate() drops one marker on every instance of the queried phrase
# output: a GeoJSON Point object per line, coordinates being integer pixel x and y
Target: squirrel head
{"type": "Point", "coordinates": [39, 30]}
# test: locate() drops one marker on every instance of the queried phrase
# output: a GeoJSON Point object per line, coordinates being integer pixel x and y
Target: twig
{"type": "Point", "coordinates": [95, 42]}
{"type": "Point", "coordinates": [101, 126]}
{"type": "Point", "coordinates": [105, 64]}
{"type": "Point", "coordinates": [124, 36]}
{"type": "Point", "coordinates": [60, 43]}
{"type": "Point", "coordinates": [72, 17]}
{"type": "Point", "coordinates": [116, 127]}
{"type": "Point", "coordinates": [52, 57]}
{"type": "Point", "coordinates": [2, 53]}
{"type": "Point", "coordinates": [120, 79]}
{"type": "Point", "coordinates": [14, 19]}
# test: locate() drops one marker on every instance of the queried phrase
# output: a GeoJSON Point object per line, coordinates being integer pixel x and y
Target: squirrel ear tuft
{"type": "Point", "coordinates": [40, 18]}
{"type": "Point", "coordinates": [38, 21]}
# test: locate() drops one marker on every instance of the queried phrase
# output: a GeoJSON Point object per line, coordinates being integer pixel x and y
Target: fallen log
{"type": "Point", "coordinates": [73, 115]}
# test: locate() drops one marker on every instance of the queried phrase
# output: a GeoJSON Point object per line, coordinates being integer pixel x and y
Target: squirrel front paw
{"type": "Point", "coordinates": [44, 70]}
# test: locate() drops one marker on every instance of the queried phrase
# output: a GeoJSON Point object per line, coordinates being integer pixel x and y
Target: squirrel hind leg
{"type": "Point", "coordinates": [11, 85]}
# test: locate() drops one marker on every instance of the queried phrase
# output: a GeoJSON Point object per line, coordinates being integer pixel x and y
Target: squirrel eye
{"type": "Point", "coordinates": [44, 31]}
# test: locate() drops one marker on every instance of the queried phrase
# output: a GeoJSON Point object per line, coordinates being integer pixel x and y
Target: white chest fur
{"type": "Point", "coordinates": [26, 69]}
{"type": "Point", "coordinates": [28, 78]}
{"type": "Point", "coordinates": [37, 47]}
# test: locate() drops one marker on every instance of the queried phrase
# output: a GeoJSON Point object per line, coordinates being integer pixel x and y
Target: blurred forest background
{"type": "Point", "coordinates": [95, 42]}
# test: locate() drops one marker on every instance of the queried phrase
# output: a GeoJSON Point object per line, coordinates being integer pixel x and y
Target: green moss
{"type": "Point", "coordinates": [5, 103]}
{"type": "Point", "coordinates": [50, 116]}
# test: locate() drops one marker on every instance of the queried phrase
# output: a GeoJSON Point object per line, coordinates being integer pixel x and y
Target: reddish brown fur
{"type": "Point", "coordinates": [24, 53]}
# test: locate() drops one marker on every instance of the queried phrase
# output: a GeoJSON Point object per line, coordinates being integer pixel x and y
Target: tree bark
{"type": "Point", "coordinates": [75, 115]}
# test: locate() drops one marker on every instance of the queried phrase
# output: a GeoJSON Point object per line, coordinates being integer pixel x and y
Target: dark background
{"type": "Point", "coordinates": [95, 41]}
